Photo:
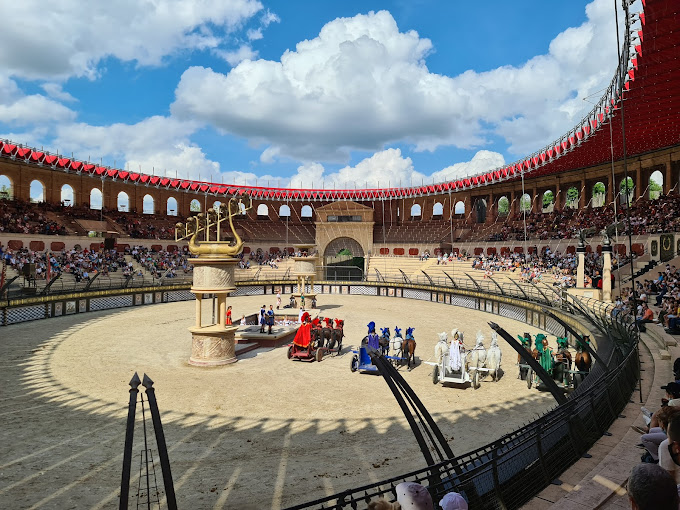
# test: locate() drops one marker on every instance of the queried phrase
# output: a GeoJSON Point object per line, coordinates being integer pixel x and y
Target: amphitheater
{"type": "Point", "coordinates": [268, 432]}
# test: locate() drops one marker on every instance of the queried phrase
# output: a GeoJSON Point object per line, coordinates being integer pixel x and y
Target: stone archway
{"type": "Point", "coordinates": [343, 259]}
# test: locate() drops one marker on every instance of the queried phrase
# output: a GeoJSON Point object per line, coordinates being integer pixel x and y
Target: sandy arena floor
{"type": "Point", "coordinates": [265, 432]}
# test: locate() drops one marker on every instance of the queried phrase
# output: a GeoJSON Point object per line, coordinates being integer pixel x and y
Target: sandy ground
{"type": "Point", "coordinates": [265, 432]}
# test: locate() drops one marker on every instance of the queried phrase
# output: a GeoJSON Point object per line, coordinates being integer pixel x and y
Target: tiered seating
{"type": "Point", "coordinates": [414, 232]}
{"type": "Point", "coordinates": [265, 231]}
{"type": "Point", "coordinates": [266, 272]}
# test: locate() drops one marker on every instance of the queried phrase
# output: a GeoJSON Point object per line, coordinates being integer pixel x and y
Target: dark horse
{"type": "Point", "coordinates": [326, 333]}
{"type": "Point", "coordinates": [562, 361]}
{"type": "Point", "coordinates": [408, 348]}
{"type": "Point", "coordinates": [384, 341]}
{"type": "Point", "coordinates": [582, 360]}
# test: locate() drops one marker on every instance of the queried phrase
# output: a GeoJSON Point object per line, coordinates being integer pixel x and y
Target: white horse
{"type": "Point", "coordinates": [476, 357]}
{"type": "Point", "coordinates": [396, 341]}
{"type": "Point", "coordinates": [441, 347]}
{"type": "Point", "coordinates": [493, 356]}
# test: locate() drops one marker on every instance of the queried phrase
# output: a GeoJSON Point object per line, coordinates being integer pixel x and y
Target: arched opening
{"type": "Point", "coordinates": [216, 205]}
{"type": "Point", "coordinates": [67, 196]}
{"type": "Point", "coordinates": [95, 198]}
{"type": "Point", "coordinates": [525, 203]}
{"type": "Point", "coordinates": [195, 206]}
{"type": "Point", "coordinates": [37, 192]}
{"type": "Point", "coordinates": [284, 211]}
{"type": "Point", "coordinates": [123, 202]}
{"type": "Point", "coordinates": [416, 212]}
{"type": "Point", "coordinates": [548, 201]}
{"type": "Point", "coordinates": [503, 206]}
{"type": "Point", "coordinates": [6, 189]}
{"type": "Point", "coordinates": [172, 206]}
{"type": "Point", "coordinates": [242, 208]}
{"type": "Point", "coordinates": [262, 212]}
{"type": "Point", "coordinates": [626, 191]}
{"type": "Point", "coordinates": [437, 211]}
{"type": "Point", "coordinates": [655, 185]}
{"type": "Point", "coordinates": [148, 205]}
{"type": "Point", "coordinates": [343, 259]}
{"type": "Point", "coordinates": [572, 198]}
{"type": "Point", "coordinates": [599, 195]}
{"type": "Point", "coordinates": [459, 208]}
{"type": "Point", "coordinates": [480, 207]}
{"type": "Point", "coordinates": [306, 213]}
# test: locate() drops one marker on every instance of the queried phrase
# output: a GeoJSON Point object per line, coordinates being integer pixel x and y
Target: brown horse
{"type": "Point", "coordinates": [408, 348]}
{"type": "Point", "coordinates": [582, 360]}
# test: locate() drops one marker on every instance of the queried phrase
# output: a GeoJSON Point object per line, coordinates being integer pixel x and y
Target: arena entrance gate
{"type": "Point", "coordinates": [343, 259]}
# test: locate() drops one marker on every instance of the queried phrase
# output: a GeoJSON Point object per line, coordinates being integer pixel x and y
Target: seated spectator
{"type": "Point", "coordinates": [413, 496]}
{"type": "Point", "coordinates": [657, 434]}
{"type": "Point", "coordinates": [453, 501]}
{"type": "Point", "coordinates": [650, 487]}
{"type": "Point", "coordinates": [669, 449]}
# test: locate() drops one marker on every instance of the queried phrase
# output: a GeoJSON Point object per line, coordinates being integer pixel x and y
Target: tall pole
{"type": "Point", "coordinates": [521, 202]}
{"type": "Point", "coordinates": [625, 170]}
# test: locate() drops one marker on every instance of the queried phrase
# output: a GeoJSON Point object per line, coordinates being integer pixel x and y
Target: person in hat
{"type": "Point", "coordinates": [372, 338]}
{"type": "Point", "coordinates": [413, 496]}
{"type": "Point", "coordinates": [453, 501]}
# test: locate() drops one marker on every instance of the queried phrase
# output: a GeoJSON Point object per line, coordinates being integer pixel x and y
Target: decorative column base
{"type": "Point", "coordinates": [213, 346]}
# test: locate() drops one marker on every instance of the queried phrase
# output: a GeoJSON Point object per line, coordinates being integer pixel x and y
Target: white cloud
{"type": "Point", "coordinates": [71, 36]}
{"type": "Point", "coordinates": [235, 57]}
{"type": "Point", "coordinates": [18, 109]}
{"type": "Point", "coordinates": [361, 84]}
{"type": "Point", "coordinates": [254, 35]}
{"type": "Point", "coordinates": [389, 168]}
{"type": "Point", "coordinates": [156, 144]}
{"type": "Point", "coordinates": [268, 17]}
{"type": "Point", "coordinates": [54, 90]}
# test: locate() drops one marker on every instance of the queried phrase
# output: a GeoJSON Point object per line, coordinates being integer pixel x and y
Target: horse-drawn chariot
{"type": "Point", "coordinates": [455, 365]}
{"type": "Point", "coordinates": [557, 364]}
{"type": "Point", "coordinates": [314, 340]}
{"type": "Point", "coordinates": [361, 360]}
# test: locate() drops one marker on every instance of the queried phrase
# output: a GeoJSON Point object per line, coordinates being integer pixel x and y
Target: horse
{"type": "Point", "coordinates": [326, 333]}
{"type": "Point", "coordinates": [396, 342]}
{"type": "Point", "coordinates": [493, 357]}
{"type": "Point", "coordinates": [441, 347]}
{"type": "Point", "coordinates": [384, 341]}
{"type": "Point", "coordinates": [338, 334]}
{"type": "Point", "coordinates": [408, 347]}
{"type": "Point", "coordinates": [562, 360]}
{"type": "Point", "coordinates": [476, 357]}
{"type": "Point", "coordinates": [526, 343]}
{"type": "Point", "coordinates": [582, 360]}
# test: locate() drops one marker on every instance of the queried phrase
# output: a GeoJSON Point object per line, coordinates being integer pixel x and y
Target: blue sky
{"type": "Point", "coordinates": [323, 93]}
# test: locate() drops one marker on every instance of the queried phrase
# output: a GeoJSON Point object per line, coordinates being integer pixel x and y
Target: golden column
{"type": "Point", "coordinates": [213, 344]}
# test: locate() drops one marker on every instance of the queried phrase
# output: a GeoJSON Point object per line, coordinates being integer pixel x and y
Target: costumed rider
{"type": "Point", "coordinates": [456, 350]}
{"type": "Point", "coordinates": [544, 353]}
{"type": "Point", "coordinates": [304, 333]}
{"type": "Point", "coordinates": [372, 338]}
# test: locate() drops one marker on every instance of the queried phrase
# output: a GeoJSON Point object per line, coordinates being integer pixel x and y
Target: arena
{"type": "Point", "coordinates": [249, 436]}
{"type": "Point", "coordinates": [104, 271]}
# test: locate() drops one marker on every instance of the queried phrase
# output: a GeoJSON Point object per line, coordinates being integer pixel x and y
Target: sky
{"type": "Point", "coordinates": [303, 93]}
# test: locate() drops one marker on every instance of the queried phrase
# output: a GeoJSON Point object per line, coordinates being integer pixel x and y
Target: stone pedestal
{"type": "Point", "coordinates": [607, 274]}
{"type": "Point", "coordinates": [214, 344]}
{"type": "Point", "coordinates": [581, 269]}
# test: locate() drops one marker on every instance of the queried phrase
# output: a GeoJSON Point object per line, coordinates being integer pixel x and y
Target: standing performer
{"type": "Point", "coordinates": [278, 299]}
{"type": "Point", "coordinates": [373, 340]}
{"type": "Point", "coordinates": [263, 312]}
{"type": "Point", "coordinates": [228, 322]}
{"type": "Point", "coordinates": [270, 319]}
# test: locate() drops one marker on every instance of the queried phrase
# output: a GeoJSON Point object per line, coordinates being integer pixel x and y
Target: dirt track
{"type": "Point", "coordinates": [265, 432]}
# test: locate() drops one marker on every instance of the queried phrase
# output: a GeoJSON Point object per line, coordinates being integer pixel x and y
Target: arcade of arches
{"type": "Point", "coordinates": [650, 175]}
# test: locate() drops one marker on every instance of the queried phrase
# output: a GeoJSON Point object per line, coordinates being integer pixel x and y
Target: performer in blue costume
{"type": "Point", "coordinates": [373, 340]}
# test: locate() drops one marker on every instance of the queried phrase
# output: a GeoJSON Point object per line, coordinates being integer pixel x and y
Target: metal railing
{"type": "Point", "coordinates": [23, 288]}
